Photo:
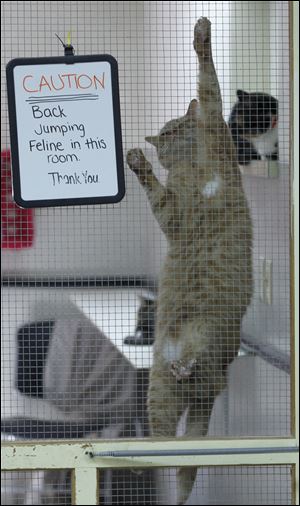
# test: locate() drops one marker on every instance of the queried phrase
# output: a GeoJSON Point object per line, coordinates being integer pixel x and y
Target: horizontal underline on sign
{"type": "Point", "coordinates": [61, 100]}
{"type": "Point", "coordinates": [63, 95]}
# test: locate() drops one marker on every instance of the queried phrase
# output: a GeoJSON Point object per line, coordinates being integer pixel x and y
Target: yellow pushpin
{"type": "Point", "coordinates": [69, 49]}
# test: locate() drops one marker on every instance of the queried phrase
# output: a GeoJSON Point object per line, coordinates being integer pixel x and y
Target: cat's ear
{"type": "Point", "coordinates": [193, 109]}
{"type": "Point", "coordinates": [241, 95]}
{"type": "Point", "coordinates": [153, 139]}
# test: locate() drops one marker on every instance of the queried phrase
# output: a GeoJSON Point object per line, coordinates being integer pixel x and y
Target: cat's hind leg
{"type": "Point", "coordinates": [165, 406]}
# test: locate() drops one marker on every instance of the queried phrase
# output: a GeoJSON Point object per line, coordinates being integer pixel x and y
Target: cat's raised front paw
{"type": "Point", "coordinates": [136, 159]}
{"type": "Point", "coordinates": [202, 37]}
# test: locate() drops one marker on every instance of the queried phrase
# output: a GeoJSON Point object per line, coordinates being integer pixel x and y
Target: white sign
{"type": "Point", "coordinates": [65, 131]}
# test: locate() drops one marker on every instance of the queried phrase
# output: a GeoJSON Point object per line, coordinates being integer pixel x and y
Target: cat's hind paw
{"type": "Point", "coordinates": [202, 37]}
{"type": "Point", "coordinates": [183, 370]}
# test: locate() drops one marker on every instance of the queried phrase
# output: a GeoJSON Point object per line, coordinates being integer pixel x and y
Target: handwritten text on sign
{"type": "Point", "coordinates": [66, 131]}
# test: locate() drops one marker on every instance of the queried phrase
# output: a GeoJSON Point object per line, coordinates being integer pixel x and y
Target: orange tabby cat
{"type": "Point", "coordinates": [206, 282]}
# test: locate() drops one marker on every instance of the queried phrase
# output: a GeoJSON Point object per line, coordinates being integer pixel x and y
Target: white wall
{"type": "Point", "coordinates": [268, 71]}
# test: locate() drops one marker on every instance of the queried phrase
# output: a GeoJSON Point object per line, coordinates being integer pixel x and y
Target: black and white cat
{"type": "Point", "coordinates": [146, 316]}
{"type": "Point", "coordinates": [253, 124]}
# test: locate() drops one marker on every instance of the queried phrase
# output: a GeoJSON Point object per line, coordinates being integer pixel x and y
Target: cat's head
{"type": "Point", "coordinates": [255, 113]}
{"type": "Point", "coordinates": [178, 140]}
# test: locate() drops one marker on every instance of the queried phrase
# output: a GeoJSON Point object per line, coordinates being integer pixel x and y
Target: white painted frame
{"type": "Point", "coordinates": [74, 454]}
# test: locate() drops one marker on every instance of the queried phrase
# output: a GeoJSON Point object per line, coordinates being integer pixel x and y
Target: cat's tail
{"type": "Point", "coordinates": [163, 421]}
{"type": "Point", "coordinates": [186, 477]}
{"type": "Point", "coordinates": [197, 422]}
{"type": "Point", "coordinates": [193, 383]}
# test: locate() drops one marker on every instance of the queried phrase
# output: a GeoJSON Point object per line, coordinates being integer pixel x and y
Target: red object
{"type": "Point", "coordinates": [17, 225]}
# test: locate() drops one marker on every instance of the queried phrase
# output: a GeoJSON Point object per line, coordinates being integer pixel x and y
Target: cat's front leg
{"type": "Point", "coordinates": [202, 40]}
{"type": "Point", "coordinates": [143, 170]}
{"type": "Point", "coordinates": [162, 200]}
{"type": "Point", "coordinates": [140, 166]}
{"type": "Point", "coordinates": [208, 86]}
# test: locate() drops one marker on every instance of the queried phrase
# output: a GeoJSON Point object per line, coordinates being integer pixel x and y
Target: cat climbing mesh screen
{"type": "Point", "coordinates": [80, 284]}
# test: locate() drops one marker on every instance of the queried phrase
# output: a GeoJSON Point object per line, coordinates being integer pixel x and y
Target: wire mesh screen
{"type": "Point", "coordinates": [36, 487]}
{"type": "Point", "coordinates": [214, 485]}
{"type": "Point", "coordinates": [178, 296]}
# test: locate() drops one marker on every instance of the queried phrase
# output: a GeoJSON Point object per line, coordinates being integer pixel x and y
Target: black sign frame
{"type": "Point", "coordinates": [69, 60]}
